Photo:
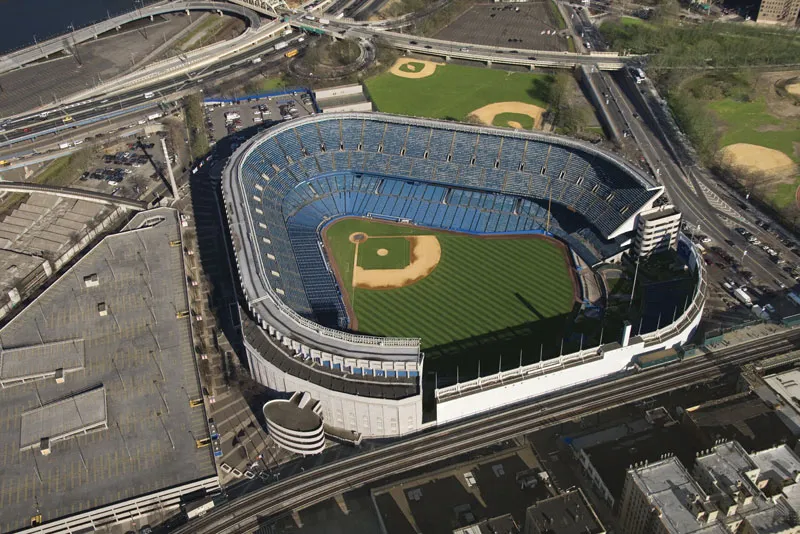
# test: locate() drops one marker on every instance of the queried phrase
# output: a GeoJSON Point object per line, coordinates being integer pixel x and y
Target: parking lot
{"type": "Point", "coordinates": [127, 169]}
{"type": "Point", "coordinates": [229, 118]}
{"type": "Point", "coordinates": [527, 26]}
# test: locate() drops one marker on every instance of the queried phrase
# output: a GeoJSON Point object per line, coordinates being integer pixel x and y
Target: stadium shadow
{"type": "Point", "coordinates": [528, 305]}
{"type": "Point", "coordinates": [503, 349]}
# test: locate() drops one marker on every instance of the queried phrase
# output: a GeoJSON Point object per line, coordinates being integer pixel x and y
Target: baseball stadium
{"type": "Point", "coordinates": [370, 246]}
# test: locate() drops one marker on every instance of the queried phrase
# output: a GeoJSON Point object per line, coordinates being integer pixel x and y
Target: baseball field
{"type": "Point", "coordinates": [444, 287]}
{"type": "Point", "coordinates": [442, 91]}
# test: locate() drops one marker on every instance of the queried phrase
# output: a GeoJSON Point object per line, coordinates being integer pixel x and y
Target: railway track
{"type": "Point", "coordinates": [324, 482]}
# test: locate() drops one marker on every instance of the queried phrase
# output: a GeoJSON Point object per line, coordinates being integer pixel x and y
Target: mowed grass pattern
{"type": "Point", "coordinates": [398, 248]}
{"type": "Point", "coordinates": [455, 91]}
{"type": "Point", "coordinates": [480, 286]}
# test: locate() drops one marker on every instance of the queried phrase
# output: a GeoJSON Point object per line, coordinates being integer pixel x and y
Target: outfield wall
{"type": "Point", "coordinates": [492, 392]}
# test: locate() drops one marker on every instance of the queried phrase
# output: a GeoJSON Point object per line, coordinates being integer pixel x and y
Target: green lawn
{"type": "Point", "coordinates": [750, 122]}
{"type": "Point", "coordinates": [556, 14]}
{"type": "Point", "coordinates": [455, 91]}
{"type": "Point", "coordinates": [398, 253]}
{"type": "Point", "coordinates": [484, 292]}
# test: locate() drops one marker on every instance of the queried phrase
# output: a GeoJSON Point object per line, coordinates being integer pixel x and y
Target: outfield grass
{"type": "Point", "coordinates": [398, 248]}
{"type": "Point", "coordinates": [480, 287]}
{"type": "Point", "coordinates": [502, 119]}
{"type": "Point", "coordinates": [455, 91]}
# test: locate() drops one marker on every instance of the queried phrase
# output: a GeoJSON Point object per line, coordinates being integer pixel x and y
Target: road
{"type": "Point", "coordinates": [321, 483]}
{"type": "Point", "coordinates": [35, 125]}
{"type": "Point", "coordinates": [683, 189]}
{"type": "Point", "coordinates": [44, 49]}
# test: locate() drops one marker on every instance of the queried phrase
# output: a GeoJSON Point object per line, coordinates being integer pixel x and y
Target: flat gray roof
{"type": "Point", "coordinates": [142, 355]}
{"type": "Point", "coordinates": [568, 513]}
{"type": "Point", "coordinates": [290, 416]}
{"type": "Point", "coordinates": [669, 487]}
{"type": "Point", "coordinates": [41, 360]}
{"type": "Point", "coordinates": [64, 418]}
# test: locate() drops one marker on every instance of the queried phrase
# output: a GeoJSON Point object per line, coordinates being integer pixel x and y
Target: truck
{"type": "Point", "coordinates": [256, 60]}
{"type": "Point", "coordinates": [198, 508]}
{"type": "Point", "coordinates": [324, 22]}
{"type": "Point", "coordinates": [743, 297]}
{"type": "Point", "coordinates": [291, 53]}
{"type": "Point", "coordinates": [149, 94]}
{"type": "Point", "coordinates": [62, 146]}
{"type": "Point", "coordinates": [154, 116]}
{"type": "Point", "coordinates": [281, 45]}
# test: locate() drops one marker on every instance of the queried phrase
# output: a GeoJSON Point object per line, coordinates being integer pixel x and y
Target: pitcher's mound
{"type": "Point", "coordinates": [757, 158]}
{"type": "Point", "coordinates": [407, 67]}
{"type": "Point", "coordinates": [487, 113]}
{"type": "Point", "coordinates": [794, 88]}
{"type": "Point", "coordinates": [382, 252]}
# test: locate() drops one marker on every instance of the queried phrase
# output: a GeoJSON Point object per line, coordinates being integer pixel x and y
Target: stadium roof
{"type": "Point", "coordinates": [61, 419]}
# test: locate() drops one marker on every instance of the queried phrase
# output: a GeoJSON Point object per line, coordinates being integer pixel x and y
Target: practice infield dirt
{"type": "Point", "coordinates": [757, 158]}
{"type": "Point", "coordinates": [487, 113]}
{"type": "Point", "coordinates": [411, 68]}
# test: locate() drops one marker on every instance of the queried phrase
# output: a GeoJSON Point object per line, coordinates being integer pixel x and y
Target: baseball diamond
{"type": "Point", "coordinates": [383, 258]}
{"type": "Point", "coordinates": [479, 285]}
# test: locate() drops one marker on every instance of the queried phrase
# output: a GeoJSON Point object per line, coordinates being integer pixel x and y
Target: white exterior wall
{"type": "Point", "coordinates": [495, 391]}
{"type": "Point", "coordinates": [541, 382]}
{"type": "Point", "coordinates": [342, 90]}
{"type": "Point", "coordinates": [358, 106]}
{"type": "Point", "coordinates": [371, 417]}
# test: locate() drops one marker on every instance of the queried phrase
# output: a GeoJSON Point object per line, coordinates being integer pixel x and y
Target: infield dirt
{"type": "Point", "coordinates": [428, 68]}
{"type": "Point", "coordinates": [487, 113]}
{"type": "Point", "coordinates": [425, 255]}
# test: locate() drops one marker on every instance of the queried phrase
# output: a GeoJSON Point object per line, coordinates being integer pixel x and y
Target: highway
{"type": "Point", "coordinates": [324, 482]}
{"type": "Point", "coordinates": [683, 189]}
{"type": "Point", "coordinates": [34, 125]}
{"type": "Point", "coordinates": [44, 49]}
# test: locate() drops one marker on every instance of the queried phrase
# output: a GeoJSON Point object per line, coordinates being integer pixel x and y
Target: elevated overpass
{"type": "Point", "coordinates": [489, 55]}
{"type": "Point", "coordinates": [71, 192]}
{"type": "Point", "coordinates": [44, 49]}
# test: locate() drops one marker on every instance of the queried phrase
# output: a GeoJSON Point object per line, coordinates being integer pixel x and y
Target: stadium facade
{"type": "Point", "coordinates": [284, 185]}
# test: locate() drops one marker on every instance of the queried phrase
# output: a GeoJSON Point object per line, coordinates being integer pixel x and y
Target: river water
{"type": "Point", "coordinates": [21, 20]}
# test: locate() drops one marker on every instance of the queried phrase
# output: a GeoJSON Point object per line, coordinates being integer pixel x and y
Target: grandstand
{"type": "Point", "coordinates": [283, 186]}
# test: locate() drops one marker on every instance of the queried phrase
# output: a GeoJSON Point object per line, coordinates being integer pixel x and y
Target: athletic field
{"type": "Point", "coordinates": [448, 288]}
{"type": "Point", "coordinates": [454, 91]}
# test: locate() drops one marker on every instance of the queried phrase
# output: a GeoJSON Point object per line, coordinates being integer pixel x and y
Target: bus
{"type": "Point", "coordinates": [291, 53]}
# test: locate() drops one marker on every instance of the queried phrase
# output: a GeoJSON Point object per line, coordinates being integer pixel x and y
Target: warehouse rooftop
{"type": "Point", "coordinates": [108, 365]}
